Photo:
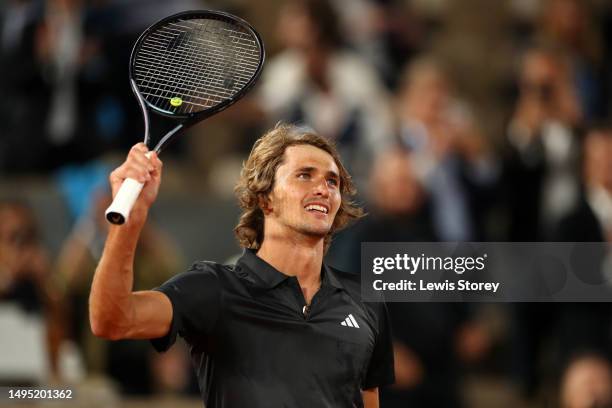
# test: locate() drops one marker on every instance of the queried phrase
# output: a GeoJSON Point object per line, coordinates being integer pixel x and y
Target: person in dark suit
{"type": "Point", "coordinates": [591, 221]}
{"type": "Point", "coordinates": [574, 329]}
{"type": "Point", "coordinates": [586, 326]}
{"type": "Point", "coordinates": [541, 175]}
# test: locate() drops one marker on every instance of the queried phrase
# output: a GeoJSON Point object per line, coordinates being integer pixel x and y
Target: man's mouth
{"type": "Point", "coordinates": [317, 207]}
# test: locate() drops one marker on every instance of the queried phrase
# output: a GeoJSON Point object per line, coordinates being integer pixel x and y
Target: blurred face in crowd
{"type": "Point", "coordinates": [425, 95]}
{"type": "Point", "coordinates": [394, 186]}
{"type": "Point", "coordinates": [547, 89]}
{"type": "Point", "coordinates": [597, 159]}
{"type": "Point", "coordinates": [295, 28]}
{"type": "Point", "coordinates": [299, 30]}
{"type": "Point", "coordinates": [20, 252]}
{"type": "Point", "coordinates": [17, 231]}
{"type": "Point", "coordinates": [539, 77]}
{"type": "Point", "coordinates": [565, 19]}
{"type": "Point", "coordinates": [587, 383]}
{"type": "Point", "coordinates": [306, 193]}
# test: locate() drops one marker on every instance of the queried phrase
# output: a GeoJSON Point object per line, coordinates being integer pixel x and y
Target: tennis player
{"type": "Point", "coordinates": [278, 329]}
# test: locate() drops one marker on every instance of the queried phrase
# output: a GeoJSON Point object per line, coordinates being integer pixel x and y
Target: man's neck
{"type": "Point", "coordinates": [300, 256]}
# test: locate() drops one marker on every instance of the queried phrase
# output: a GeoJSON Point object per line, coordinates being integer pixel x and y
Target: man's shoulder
{"type": "Point", "coordinates": [202, 272]}
{"type": "Point", "coordinates": [210, 266]}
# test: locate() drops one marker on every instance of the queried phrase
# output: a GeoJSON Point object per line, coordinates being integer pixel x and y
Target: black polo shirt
{"type": "Point", "coordinates": [252, 345]}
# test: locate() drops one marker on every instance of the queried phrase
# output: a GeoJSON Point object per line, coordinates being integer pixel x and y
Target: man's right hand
{"type": "Point", "coordinates": [138, 166]}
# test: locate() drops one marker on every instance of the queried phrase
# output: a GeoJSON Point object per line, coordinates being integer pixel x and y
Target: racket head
{"type": "Point", "coordinates": [194, 64]}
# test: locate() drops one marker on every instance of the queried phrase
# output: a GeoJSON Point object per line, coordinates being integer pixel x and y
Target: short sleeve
{"type": "Point", "coordinates": [196, 303]}
{"type": "Point", "coordinates": [381, 368]}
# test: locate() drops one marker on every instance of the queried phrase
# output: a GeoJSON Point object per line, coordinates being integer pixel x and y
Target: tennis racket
{"type": "Point", "coordinates": [187, 67]}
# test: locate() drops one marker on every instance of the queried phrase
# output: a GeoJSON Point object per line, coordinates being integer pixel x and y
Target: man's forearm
{"type": "Point", "coordinates": [110, 306]}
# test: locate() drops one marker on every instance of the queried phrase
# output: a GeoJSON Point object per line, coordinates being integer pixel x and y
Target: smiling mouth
{"type": "Point", "coordinates": [317, 208]}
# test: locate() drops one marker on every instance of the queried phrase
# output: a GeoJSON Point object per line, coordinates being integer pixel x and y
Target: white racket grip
{"type": "Point", "coordinates": [119, 211]}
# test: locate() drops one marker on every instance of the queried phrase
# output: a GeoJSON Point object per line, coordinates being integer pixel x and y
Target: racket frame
{"type": "Point", "coordinates": [189, 119]}
{"type": "Point", "coordinates": [119, 210]}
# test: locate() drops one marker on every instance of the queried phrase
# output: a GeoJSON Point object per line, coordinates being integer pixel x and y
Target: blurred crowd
{"type": "Point", "coordinates": [460, 120]}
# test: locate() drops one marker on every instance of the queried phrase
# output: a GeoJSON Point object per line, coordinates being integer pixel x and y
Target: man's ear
{"type": "Point", "coordinates": [265, 203]}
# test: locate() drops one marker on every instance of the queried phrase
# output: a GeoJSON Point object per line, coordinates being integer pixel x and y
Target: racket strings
{"type": "Point", "coordinates": [180, 74]}
{"type": "Point", "coordinates": [189, 54]}
{"type": "Point", "coordinates": [236, 36]}
{"type": "Point", "coordinates": [192, 65]}
{"type": "Point", "coordinates": [184, 58]}
{"type": "Point", "coordinates": [192, 78]}
{"type": "Point", "coordinates": [229, 68]}
{"type": "Point", "coordinates": [159, 90]}
{"type": "Point", "coordinates": [200, 72]}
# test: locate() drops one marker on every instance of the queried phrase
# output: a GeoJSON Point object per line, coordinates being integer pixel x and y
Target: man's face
{"type": "Point", "coordinates": [540, 76]}
{"type": "Point", "coordinates": [306, 194]}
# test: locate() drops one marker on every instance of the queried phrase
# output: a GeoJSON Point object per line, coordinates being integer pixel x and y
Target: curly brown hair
{"type": "Point", "coordinates": [257, 181]}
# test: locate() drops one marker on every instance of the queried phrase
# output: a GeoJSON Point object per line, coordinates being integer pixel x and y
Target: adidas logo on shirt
{"type": "Point", "coordinates": [350, 322]}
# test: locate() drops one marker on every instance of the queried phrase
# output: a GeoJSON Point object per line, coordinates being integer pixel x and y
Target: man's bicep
{"type": "Point", "coordinates": [370, 398]}
{"type": "Point", "coordinates": [152, 315]}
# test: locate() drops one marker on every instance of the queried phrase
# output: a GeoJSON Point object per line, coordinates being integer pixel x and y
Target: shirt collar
{"type": "Point", "coordinates": [270, 277]}
{"type": "Point", "coordinates": [329, 277]}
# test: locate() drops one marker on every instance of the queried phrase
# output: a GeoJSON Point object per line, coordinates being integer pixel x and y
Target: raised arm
{"type": "Point", "coordinates": [115, 311]}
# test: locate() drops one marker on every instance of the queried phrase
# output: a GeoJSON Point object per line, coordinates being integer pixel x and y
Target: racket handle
{"type": "Point", "coordinates": [119, 211]}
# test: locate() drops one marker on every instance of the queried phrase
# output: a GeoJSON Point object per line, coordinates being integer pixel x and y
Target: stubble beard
{"type": "Point", "coordinates": [313, 232]}
{"type": "Point", "coordinates": [303, 227]}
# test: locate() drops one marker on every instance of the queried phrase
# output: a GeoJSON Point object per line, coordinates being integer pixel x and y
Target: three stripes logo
{"type": "Point", "coordinates": [350, 322]}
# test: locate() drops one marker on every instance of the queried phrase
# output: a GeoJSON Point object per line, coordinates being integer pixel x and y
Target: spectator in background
{"type": "Point", "coordinates": [398, 209]}
{"type": "Point", "coordinates": [541, 168]}
{"type": "Point", "coordinates": [587, 383]}
{"type": "Point", "coordinates": [23, 88]}
{"type": "Point", "coordinates": [591, 221]}
{"type": "Point", "coordinates": [541, 185]}
{"type": "Point", "coordinates": [431, 340]}
{"type": "Point", "coordinates": [26, 282]}
{"type": "Point", "coordinates": [569, 329]}
{"type": "Point", "coordinates": [132, 364]}
{"type": "Point", "coordinates": [54, 68]}
{"type": "Point", "coordinates": [76, 69]}
{"type": "Point", "coordinates": [452, 157]}
{"type": "Point", "coordinates": [586, 327]}
{"type": "Point", "coordinates": [60, 47]}
{"type": "Point", "coordinates": [387, 33]}
{"type": "Point", "coordinates": [317, 81]}
{"type": "Point", "coordinates": [569, 27]}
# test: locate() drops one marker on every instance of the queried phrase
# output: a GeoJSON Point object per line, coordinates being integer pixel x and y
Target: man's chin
{"type": "Point", "coordinates": [315, 232]}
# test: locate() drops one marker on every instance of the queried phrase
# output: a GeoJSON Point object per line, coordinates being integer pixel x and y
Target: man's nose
{"type": "Point", "coordinates": [321, 188]}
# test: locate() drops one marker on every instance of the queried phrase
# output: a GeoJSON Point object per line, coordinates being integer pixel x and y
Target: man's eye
{"type": "Point", "coordinates": [332, 182]}
{"type": "Point", "coordinates": [304, 176]}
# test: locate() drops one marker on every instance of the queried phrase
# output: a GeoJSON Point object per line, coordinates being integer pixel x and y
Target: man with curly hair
{"type": "Point", "coordinates": [279, 328]}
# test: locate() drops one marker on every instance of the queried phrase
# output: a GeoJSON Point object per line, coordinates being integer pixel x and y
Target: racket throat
{"type": "Point", "coordinates": [164, 140]}
{"type": "Point", "coordinates": [145, 115]}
